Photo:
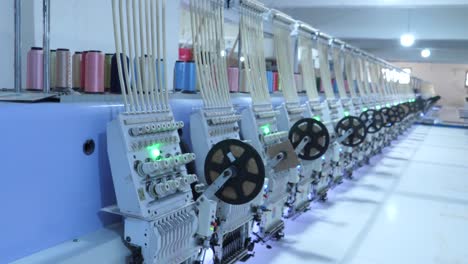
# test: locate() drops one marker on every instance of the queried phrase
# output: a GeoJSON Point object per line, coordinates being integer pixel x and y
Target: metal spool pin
{"type": "Point", "coordinates": [374, 119]}
{"type": "Point", "coordinates": [357, 129]}
{"type": "Point", "coordinates": [318, 135]}
{"type": "Point", "coordinates": [246, 166]}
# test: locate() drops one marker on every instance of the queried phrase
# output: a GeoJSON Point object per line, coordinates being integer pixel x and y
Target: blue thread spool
{"type": "Point", "coordinates": [180, 75]}
{"type": "Point", "coordinates": [270, 81]}
{"type": "Point", "coordinates": [191, 78]}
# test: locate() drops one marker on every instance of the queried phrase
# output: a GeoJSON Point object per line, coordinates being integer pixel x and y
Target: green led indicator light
{"type": "Point", "coordinates": [266, 129]}
{"type": "Point", "coordinates": [317, 118]}
{"type": "Point", "coordinates": [388, 105]}
{"type": "Point", "coordinates": [378, 107]}
{"type": "Point", "coordinates": [346, 113]}
{"type": "Point", "coordinates": [365, 109]}
{"type": "Point", "coordinates": [154, 151]}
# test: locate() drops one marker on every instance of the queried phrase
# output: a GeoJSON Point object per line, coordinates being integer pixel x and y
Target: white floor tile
{"type": "Point", "coordinates": [410, 205]}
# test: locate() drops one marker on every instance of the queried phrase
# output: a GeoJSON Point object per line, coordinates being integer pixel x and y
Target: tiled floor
{"type": "Point", "coordinates": [409, 206]}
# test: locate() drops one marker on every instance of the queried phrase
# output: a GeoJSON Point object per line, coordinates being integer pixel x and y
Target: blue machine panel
{"type": "Point", "coordinates": [52, 191]}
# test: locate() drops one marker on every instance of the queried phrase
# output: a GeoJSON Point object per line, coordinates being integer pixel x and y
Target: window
{"type": "Point", "coordinates": [466, 80]}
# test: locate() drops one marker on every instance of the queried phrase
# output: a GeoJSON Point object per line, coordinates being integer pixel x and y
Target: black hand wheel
{"type": "Point", "coordinates": [373, 119]}
{"type": "Point", "coordinates": [359, 131]}
{"type": "Point", "coordinates": [248, 171]}
{"type": "Point", "coordinates": [389, 115]}
{"type": "Point", "coordinates": [400, 113]}
{"type": "Point", "coordinates": [319, 138]}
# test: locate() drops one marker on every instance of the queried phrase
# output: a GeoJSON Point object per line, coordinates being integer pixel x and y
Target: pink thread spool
{"type": "Point", "coordinates": [233, 79]}
{"type": "Point", "coordinates": [94, 72]}
{"type": "Point", "coordinates": [35, 70]}
{"type": "Point", "coordinates": [275, 81]}
{"type": "Point", "coordinates": [346, 84]}
{"type": "Point", "coordinates": [83, 69]}
{"type": "Point", "coordinates": [185, 54]}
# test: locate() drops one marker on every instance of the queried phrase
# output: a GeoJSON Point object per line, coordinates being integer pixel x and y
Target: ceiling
{"type": "Point", "coordinates": [376, 25]}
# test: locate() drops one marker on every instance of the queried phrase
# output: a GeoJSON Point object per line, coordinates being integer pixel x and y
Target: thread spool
{"type": "Point", "coordinates": [108, 71]}
{"type": "Point", "coordinates": [83, 68]}
{"type": "Point", "coordinates": [35, 70]}
{"type": "Point", "coordinates": [160, 73]}
{"type": "Point", "coordinates": [94, 72]}
{"type": "Point", "coordinates": [233, 79]}
{"type": "Point", "coordinates": [275, 81]}
{"type": "Point", "coordinates": [320, 84]}
{"type": "Point", "coordinates": [77, 60]}
{"type": "Point", "coordinates": [115, 87]}
{"type": "Point", "coordinates": [185, 54]}
{"type": "Point", "coordinates": [334, 85]}
{"type": "Point", "coordinates": [269, 75]}
{"type": "Point", "coordinates": [243, 82]}
{"type": "Point", "coordinates": [346, 85]}
{"type": "Point", "coordinates": [299, 82]}
{"type": "Point", "coordinates": [63, 71]}
{"type": "Point", "coordinates": [191, 85]}
{"type": "Point", "coordinates": [180, 75]}
{"type": "Point", "coordinates": [53, 69]}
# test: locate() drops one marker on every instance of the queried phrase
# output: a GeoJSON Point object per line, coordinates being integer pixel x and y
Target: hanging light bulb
{"type": "Point", "coordinates": [426, 53]}
{"type": "Point", "coordinates": [407, 40]}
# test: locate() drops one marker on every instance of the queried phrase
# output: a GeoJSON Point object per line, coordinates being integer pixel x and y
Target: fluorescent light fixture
{"type": "Point", "coordinates": [426, 53]}
{"type": "Point", "coordinates": [407, 40]}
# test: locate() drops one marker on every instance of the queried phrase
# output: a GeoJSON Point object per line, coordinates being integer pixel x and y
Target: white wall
{"type": "Point", "coordinates": [75, 24]}
{"type": "Point", "coordinates": [448, 80]}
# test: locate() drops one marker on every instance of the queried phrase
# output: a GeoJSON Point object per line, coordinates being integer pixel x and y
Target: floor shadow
{"type": "Point", "coordinates": [357, 200]}
{"type": "Point", "coordinates": [397, 158]}
{"type": "Point", "coordinates": [265, 255]}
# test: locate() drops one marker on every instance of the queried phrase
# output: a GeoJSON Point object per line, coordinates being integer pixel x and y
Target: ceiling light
{"type": "Point", "coordinates": [407, 40]}
{"type": "Point", "coordinates": [426, 53]}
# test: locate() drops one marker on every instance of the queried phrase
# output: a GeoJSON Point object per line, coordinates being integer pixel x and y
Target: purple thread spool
{"type": "Point", "coordinates": [35, 70]}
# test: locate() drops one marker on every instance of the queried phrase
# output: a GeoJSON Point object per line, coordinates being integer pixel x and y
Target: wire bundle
{"type": "Point", "coordinates": [207, 21]}
{"type": "Point", "coordinates": [251, 28]}
{"type": "Point", "coordinates": [338, 66]}
{"type": "Point", "coordinates": [308, 67]}
{"type": "Point", "coordinates": [283, 50]}
{"type": "Point", "coordinates": [140, 34]}
{"type": "Point", "coordinates": [325, 74]}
